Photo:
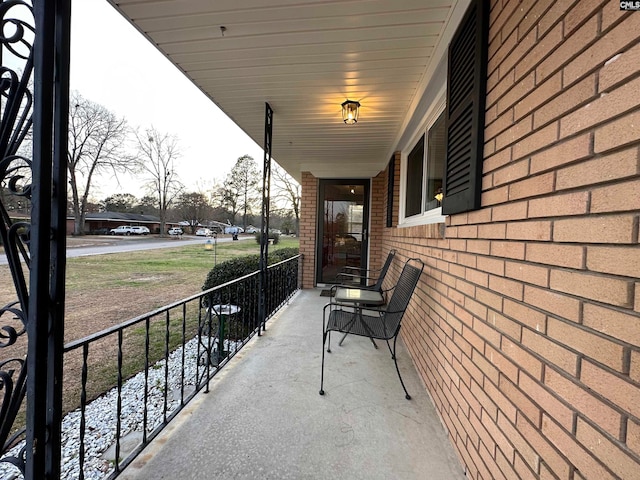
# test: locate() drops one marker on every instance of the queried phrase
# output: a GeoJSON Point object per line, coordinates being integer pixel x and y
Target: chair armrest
{"type": "Point", "coordinates": [324, 309]}
{"type": "Point", "coordinates": [385, 291]}
{"type": "Point", "coordinates": [331, 305]}
{"type": "Point", "coordinates": [346, 276]}
{"type": "Point", "coordinates": [362, 270]}
{"type": "Point", "coordinates": [348, 267]}
{"type": "Point", "coordinates": [381, 310]}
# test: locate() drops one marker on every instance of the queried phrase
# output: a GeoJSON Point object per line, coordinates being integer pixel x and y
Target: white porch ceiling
{"type": "Point", "coordinates": [306, 57]}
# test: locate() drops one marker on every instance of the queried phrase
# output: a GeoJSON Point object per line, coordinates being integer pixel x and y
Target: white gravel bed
{"type": "Point", "coordinates": [100, 415]}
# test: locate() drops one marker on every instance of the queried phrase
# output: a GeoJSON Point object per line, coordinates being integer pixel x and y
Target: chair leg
{"type": "Point", "coordinates": [393, 355]}
{"type": "Point", "coordinates": [395, 360]}
{"type": "Point", "coordinates": [324, 338]}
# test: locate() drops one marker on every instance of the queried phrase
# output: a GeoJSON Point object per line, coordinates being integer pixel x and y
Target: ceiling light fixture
{"type": "Point", "coordinates": [350, 110]}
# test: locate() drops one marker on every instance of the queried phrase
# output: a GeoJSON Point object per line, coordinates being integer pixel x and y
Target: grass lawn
{"type": "Point", "coordinates": [105, 290]}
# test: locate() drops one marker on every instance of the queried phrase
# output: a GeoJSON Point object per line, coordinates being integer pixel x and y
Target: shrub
{"type": "Point", "coordinates": [240, 266]}
{"type": "Point", "coordinates": [230, 270]}
{"type": "Point", "coordinates": [282, 254]}
{"type": "Point", "coordinates": [244, 294]}
{"type": "Point", "coordinates": [272, 236]}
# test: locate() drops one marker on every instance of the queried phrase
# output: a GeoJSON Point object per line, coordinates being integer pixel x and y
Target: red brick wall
{"type": "Point", "coordinates": [378, 218]}
{"type": "Point", "coordinates": [526, 326]}
{"type": "Point", "coordinates": [308, 218]}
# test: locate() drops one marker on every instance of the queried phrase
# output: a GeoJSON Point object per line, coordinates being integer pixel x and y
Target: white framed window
{"type": "Point", "coordinates": [422, 170]}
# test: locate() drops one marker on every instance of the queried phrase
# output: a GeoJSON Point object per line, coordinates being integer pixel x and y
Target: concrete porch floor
{"type": "Point", "coordinates": [264, 419]}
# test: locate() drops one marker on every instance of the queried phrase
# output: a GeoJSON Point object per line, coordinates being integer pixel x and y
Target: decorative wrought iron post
{"type": "Point", "coordinates": [264, 226]}
{"type": "Point", "coordinates": [34, 40]}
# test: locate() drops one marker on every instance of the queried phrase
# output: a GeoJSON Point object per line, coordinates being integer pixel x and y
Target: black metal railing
{"type": "Point", "coordinates": [151, 366]}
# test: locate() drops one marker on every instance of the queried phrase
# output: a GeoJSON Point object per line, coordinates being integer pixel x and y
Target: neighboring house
{"type": "Point", "coordinates": [102, 222]}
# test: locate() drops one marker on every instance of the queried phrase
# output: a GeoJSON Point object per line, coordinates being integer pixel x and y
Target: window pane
{"type": "Point", "coordinates": [415, 161]}
{"type": "Point", "coordinates": [436, 153]}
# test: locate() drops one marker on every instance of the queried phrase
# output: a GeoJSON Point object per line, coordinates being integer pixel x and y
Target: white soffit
{"type": "Point", "coordinates": [305, 58]}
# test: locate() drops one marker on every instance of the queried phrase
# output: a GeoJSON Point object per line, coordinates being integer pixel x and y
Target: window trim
{"type": "Point", "coordinates": [435, 215]}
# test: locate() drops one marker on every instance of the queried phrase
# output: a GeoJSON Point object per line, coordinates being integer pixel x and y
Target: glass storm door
{"type": "Point", "coordinates": [343, 222]}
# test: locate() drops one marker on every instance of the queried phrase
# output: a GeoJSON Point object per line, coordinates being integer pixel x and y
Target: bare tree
{"type": "Point", "coordinates": [225, 198]}
{"type": "Point", "coordinates": [194, 208]}
{"type": "Point", "coordinates": [241, 189]}
{"type": "Point", "coordinates": [157, 154]}
{"type": "Point", "coordinates": [96, 139]}
{"type": "Point", "coordinates": [285, 191]}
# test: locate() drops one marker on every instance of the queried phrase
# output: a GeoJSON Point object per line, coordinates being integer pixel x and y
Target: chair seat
{"type": "Point", "coordinates": [372, 326]}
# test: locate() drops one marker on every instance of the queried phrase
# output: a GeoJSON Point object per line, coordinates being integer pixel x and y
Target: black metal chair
{"type": "Point", "coordinates": [377, 323]}
{"type": "Point", "coordinates": [358, 277]}
{"type": "Point", "coordinates": [363, 279]}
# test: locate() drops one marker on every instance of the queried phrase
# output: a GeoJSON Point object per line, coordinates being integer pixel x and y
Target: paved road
{"type": "Point", "coordinates": [99, 245]}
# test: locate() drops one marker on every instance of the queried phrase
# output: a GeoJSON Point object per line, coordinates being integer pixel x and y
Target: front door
{"type": "Point", "coordinates": [343, 222]}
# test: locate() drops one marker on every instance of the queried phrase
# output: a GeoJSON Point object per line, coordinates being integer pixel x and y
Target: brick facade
{"type": "Point", "coordinates": [526, 325]}
{"type": "Point", "coordinates": [526, 328]}
{"type": "Point", "coordinates": [377, 221]}
{"type": "Point", "coordinates": [307, 233]}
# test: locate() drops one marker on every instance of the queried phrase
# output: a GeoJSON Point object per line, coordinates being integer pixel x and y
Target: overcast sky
{"type": "Point", "coordinates": [112, 64]}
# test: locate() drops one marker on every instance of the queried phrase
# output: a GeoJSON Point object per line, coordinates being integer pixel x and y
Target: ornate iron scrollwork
{"type": "Point", "coordinates": [16, 106]}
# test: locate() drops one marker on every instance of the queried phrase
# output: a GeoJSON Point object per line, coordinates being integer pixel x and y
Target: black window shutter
{"type": "Point", "coordinates": [390, 184]}
{"type": "Point", "coordinates": [466, 92]}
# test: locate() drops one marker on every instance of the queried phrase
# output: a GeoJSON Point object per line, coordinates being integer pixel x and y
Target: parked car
{"type": "Point", "coordinates": [204, 232]}
{"type": "Point", "coordinates": [121, 230]}
{"type": "Point", "coordinates": [139, 230]}
{"type": "Point", "coordinates": [175, 231]}
{"type": "Point", "coordinates": [233, 230]}
{"type": "Point", "coordinates": [251, 229]}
